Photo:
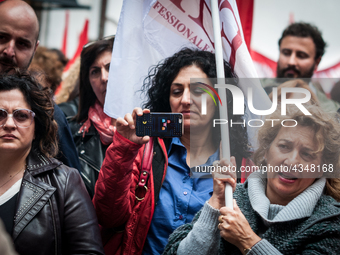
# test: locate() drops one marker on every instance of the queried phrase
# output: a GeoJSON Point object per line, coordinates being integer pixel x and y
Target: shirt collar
{"type": "Point", "coordinates": [174, 141]}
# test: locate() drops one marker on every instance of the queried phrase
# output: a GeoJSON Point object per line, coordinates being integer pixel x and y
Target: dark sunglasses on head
{"type": "Point", "coordinates": [109, 37]}
{"type": "Point", "coordinates": [22, 117]}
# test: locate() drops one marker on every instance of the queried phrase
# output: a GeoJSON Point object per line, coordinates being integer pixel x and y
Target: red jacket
{"type": "Point", "coordinates": [125, 221]}
{"type": "Point", "coordinates": [115, 201]}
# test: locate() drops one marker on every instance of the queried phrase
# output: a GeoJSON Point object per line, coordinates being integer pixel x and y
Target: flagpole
{"type": "Point", "coordinates": [222, 93]}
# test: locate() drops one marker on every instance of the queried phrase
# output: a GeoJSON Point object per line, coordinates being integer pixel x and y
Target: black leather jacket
{"type": "Point", "coordinates": [91, 151]}
{"type": "Point", "coordinates": [91, 154]}
{"type": "Point", "coordinates": [54, 214]}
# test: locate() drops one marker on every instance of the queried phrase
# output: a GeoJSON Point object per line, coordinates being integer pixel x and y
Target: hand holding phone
{"type": "Point", "coordinates": [126, 126]}
{"type": "Point", "coordinates": [159, 124]}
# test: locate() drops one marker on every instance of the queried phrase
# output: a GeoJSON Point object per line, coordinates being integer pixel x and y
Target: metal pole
{"type": "Point", "coordinates": [222, 93]}
{"type": "Point", "coordinates": [102, 18]}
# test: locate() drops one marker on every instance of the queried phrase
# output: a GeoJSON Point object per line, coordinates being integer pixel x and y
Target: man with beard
{"type": "Point", "coordinates": [301, 49]}
{"type": "Point", "coordinates": [19, 32]}
{"type": "Point", "coordinates": [18, 36]}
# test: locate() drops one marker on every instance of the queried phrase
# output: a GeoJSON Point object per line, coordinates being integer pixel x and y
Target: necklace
{"type": "Point", "coordinates": [13, 177]}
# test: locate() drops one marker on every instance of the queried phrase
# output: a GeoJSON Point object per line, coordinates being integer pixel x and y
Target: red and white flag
{"type": "Point", "coordinates": [149, 31]}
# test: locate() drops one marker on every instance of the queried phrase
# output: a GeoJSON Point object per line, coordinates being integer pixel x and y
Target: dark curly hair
{"type": "Point", "coordinates": [302, 29]}
{"type": "Point", "coordinates": [87, 97]}
{"type": "Point", "coordinates": [40, 100]}
{"type": "Point", "coordinates": [158, 82]}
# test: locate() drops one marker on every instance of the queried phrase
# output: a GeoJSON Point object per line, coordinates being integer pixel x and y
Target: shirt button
{"type": "Point", "coordinates": [180, 217]}
{"type": "Point", "coordinates": [185, 193]}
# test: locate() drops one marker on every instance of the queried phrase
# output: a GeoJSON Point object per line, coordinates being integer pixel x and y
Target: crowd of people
{"type": "Point", "coordinates": [75, 181]}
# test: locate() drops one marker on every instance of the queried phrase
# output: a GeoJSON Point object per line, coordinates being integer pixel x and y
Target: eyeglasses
{"type": "Point", "coordinates": [107, 38]}
{"type": "Point", "coordinates": [22, 117]}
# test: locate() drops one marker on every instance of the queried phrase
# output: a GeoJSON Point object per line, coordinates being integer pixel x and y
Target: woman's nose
{"type": "Point", "coordinates": [105, 76]}
{"type": "Point", "coordinates": [293, 158]}
{"type": "Point", "coordinates": [9, 123]}
{"type": "Point", "coordinates": [186, 99]}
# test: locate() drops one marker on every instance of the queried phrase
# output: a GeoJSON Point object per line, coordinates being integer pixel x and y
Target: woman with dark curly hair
{"type": "Point", "coordinates": [147, 203]}
{"type": "Point", "coordinates": [43, 203]}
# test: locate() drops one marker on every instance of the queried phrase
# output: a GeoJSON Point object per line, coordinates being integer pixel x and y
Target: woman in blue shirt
{"type": "Point", "coordinates": [176, 195]}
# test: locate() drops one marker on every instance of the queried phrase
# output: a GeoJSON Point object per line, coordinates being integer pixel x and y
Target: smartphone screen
{"type": "Point", "coordinates": [160, 124]}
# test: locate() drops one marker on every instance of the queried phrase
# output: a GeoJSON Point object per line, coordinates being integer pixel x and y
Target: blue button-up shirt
{"type": "Point", "coordinates": [180, 198]}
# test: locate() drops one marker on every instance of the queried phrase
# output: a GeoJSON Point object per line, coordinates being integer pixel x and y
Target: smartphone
{"type": "Point", "coordinates": [160, 124]}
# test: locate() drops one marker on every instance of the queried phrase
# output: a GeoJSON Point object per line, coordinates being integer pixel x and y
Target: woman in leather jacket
{"type": "Point", "coordinates": [43, 203]}
{"type": "Point", "coordinates": [91, 127]}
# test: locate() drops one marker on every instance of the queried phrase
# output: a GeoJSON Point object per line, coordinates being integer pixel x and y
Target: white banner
{"type": "Point", "coordinates": [149, 31]}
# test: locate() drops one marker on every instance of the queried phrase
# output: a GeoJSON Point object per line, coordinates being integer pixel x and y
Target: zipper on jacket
{"type": "Point", "coordinates": [95, 168]}
{"type": "Point", "coordinates": [87, 179]}
{"type": "Point", "coordinates": [54, 228]}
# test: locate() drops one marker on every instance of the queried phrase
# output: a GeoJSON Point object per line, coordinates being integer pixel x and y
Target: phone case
{"type": "Point", "coordinates": [160, 124]}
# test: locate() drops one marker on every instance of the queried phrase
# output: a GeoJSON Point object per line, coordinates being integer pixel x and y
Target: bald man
{"type": "Point", "coordinates": [19, 32]}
